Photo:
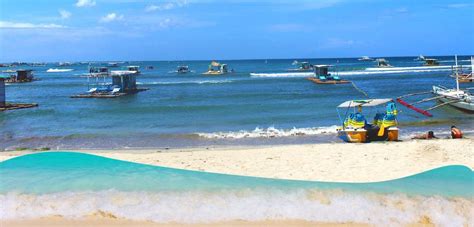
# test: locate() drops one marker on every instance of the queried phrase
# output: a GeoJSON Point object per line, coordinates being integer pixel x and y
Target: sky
{"type": "Point", "coordinates": [81, 30]}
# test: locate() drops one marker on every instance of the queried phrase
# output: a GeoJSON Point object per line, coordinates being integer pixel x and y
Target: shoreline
{"type": "Point", "coordinates": [330, 162]}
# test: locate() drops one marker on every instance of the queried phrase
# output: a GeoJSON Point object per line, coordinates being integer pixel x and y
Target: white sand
{"type": "Point", "coordinates": [321, 162]}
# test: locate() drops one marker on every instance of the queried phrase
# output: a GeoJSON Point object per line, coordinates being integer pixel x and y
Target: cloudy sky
{"type": "Point", "coordinates": [75, 30]}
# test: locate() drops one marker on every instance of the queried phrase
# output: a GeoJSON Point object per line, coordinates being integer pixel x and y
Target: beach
{"type": "Point", "coordinates": [336, 162]}
{"type": "Point", "coordinates": [63, 200]}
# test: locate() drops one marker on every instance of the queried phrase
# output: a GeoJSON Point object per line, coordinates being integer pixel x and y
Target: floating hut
{"type": "Point", "coordinates": [10, 106]}
{"type": "Point", "coordinates": [322, 76]}
{"type": "Point", "coordinates": [20, 76]}
{"type": "Point", "coordinates": [123, 83]}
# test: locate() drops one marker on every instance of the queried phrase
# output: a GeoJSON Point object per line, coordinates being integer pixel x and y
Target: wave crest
{"type": "Point", "coordinates": [186, 82]}
{"type": "Point", "coordinates": [329, 206]}
{"type": "Point", "coordinates": [270, 132]}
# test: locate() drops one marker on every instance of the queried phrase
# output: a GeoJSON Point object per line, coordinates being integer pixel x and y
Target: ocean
{"type": "Point", "coordinates": [261, 103]}
{"type": "Point", "coordinates": [75, 185]}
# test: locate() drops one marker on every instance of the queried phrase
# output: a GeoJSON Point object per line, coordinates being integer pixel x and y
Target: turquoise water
{"type": "Point", "coordinates": [66, 171]}
{"type": "Point", "coordinates": [261, 103]}
{"type": "Point", "coordinates": [75, 185]}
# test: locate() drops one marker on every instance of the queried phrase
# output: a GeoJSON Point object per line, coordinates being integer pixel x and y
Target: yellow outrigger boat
{"type": "Point", "coordinates": [355, 128]}
{"type": "Point", "coordinates": [216, 68]}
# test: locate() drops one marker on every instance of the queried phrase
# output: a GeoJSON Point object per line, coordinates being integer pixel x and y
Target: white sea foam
{"type": "Point", "coordinates": [270, 132]}
{"type": "Point", "coordinates": [186, 82]}
{"type": "Point", "coordinates": [367, 71]}
{"type": "Point", "coordinates": [433, 68]}
{"type": "Point", "coordinates": [276, 75]}
{"type": "Point", "coordinates": [246, 204]}
{"type": "Point", "coordinates": [58, 70]}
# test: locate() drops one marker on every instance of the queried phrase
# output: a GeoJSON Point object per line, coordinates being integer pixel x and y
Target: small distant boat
{"type": "Point", "coordinates": [65, 63]}
{"type": "Point", "coordinates": [420, 58]}
{"type": "Point", "coordinates": [465, 77]}
{"type": "Point", "coordinates": [302, 67]}
{"type": "Point", "coordinates": [58, 70]}
{"type": "Point", "coordinates": [113, 64]}
{"type": "Point", "coordinates": [182, 69]}
{"type": "Point", "coordinates": [134, 69]}
{"type": "Point", "coordinates": [365, 58]}
{"type": "Point", "coordinates": [355, 127]}
{"type": "Point", "coordinates": [216, 68]}
{"type": "Point", "coordinates": [150, 67]}
{"type": "Point", "coordinates": [382, 63]}
{"type": "Point", "coordinates": [431, 62]}
{"type": "Point", "coordinates": [322, 76]}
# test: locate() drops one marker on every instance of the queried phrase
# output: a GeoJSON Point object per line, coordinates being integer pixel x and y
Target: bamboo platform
{"type": "Point", "coordinates": [15, 106]}
{"type": "Point", "coordinates": [318, 81]}
{"type": "Point", "coordinates": [108, 94]}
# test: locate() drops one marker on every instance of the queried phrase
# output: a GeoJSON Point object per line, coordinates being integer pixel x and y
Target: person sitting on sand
{"type": "Point", "coordinates": [428, 136]}
{"type": "Point", "coordinates": [455, 133]}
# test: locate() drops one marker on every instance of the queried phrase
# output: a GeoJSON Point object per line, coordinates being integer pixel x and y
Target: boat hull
{"type": "Point", "coordinates": [364, 136]}
{"type": "Point", "coordinates": [449, 95]}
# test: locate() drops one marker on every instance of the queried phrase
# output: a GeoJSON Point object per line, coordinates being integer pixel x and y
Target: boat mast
{"type": "Point", "coordinates": [472, 66]}
{"type": "Point", "coordinates": [457, 74]}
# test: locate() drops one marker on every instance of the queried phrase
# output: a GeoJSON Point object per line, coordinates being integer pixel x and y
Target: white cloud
{"type": "Point", "coordinates": [460, 5]}
{"type": "Point", "coordinates": [288, 27]}
{"type": "Point", "coordinates": [111, 17]}
{"type": "Point", "coordinates": [64, 14]}
{"type": "Point", "coordinates": [166, 6]}
{"type": "Point", "coordinates": [337, 43]}
{"type": "Point", "coordinates": [401, 10]}
{"type": "Point", "coordinates": [85, 3]}
{"type": "Point", "coordinates": [20, 25]}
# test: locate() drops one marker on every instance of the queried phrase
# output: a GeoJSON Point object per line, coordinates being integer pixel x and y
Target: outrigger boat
{"type": "Point", "coordinates": [182, 69]}
{"type": "Point", "coordinates": [356, 129]}
{"type": "Point", "coordinates": [303, 67]}
{"type": "Point", "coordinates": [216, 68]}
{"type": "Point", "coordinates": [460, 99]}
{"type": "Point", "coordinates": [464, 77]}
{"type": "Point", "coordinates": [133, 69]}
{"type": "Point", "coordinates": [420, 58]}
{"type": "Point", "coordinates": [431, 62]}
{"type": "Point", "coordinates": [322, 76]}
{"type": "Point", "coordinates": [365, 58]}
{"type": "Point", "coordinates": [382, 63]}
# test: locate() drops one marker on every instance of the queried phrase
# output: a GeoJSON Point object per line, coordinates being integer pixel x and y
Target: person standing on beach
{"type": "Point", "coordinates": [455, 133]}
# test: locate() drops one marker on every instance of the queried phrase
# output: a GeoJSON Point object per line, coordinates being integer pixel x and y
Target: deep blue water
{"type": "Point", "coordinates": [197, 110]}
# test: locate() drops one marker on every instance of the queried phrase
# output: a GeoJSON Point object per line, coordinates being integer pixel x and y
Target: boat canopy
{"type": "Point", "coordinates": [364, 102]}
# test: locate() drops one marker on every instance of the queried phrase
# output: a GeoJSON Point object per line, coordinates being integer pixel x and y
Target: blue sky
{"type": "Point", "coordinates": [75, 30]}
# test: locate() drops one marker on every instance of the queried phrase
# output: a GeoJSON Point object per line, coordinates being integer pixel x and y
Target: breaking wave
{"type": "Point", "coordinates": [186, 82]}
{"type": "Point", "coordinates": [270, 132]}
{"type": "Point", "coordinates": [276, 75]}
{"type": "Point", "coordinates": [367, 71]}
{"type": "Point", "coordinates": [329, 206]}
{"type": "Point", "coordinates": [409, 69]}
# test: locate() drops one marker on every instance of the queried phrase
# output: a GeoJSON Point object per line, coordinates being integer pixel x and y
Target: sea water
{"type": "Point", "coordinates": [260, 103]}
{"type": "Point", "coordinates": [75, 185]}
